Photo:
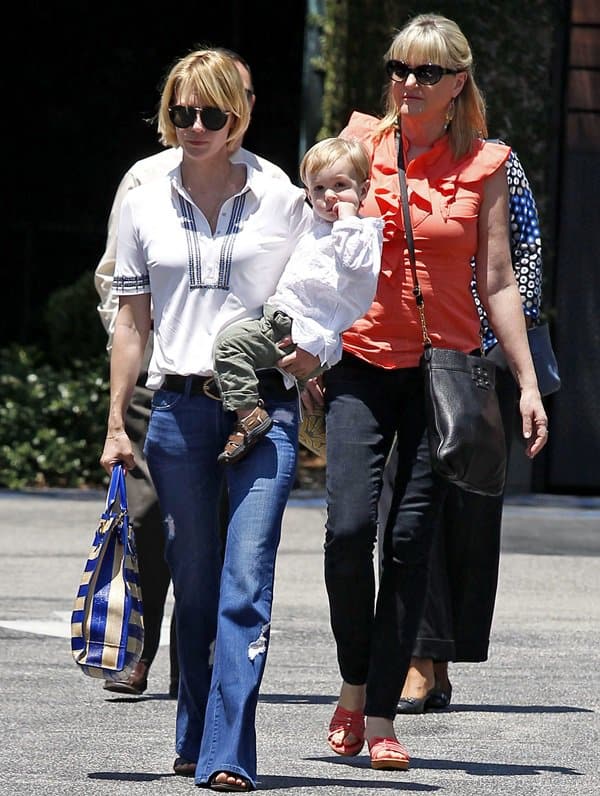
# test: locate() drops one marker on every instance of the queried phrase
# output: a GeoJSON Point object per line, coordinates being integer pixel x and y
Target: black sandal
{"type": "Point", "coordinates": [230, 787]}
{"type": "Point", "coordinates": [184, 768]}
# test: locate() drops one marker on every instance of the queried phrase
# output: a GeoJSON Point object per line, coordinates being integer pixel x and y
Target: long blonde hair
{"type": "Point", "coordinates": [431, 38]}
{"type": "Point", "coordinates": [213, 75]}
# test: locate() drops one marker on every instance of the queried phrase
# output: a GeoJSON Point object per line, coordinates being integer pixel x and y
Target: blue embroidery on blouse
{"type": "Point", "coordinates": [193, 245]}
{"type": "Point", "coordinates": [227, 249]}
{"type": "Point", "coordinates": [131, 284]}
{"type": "Point", "coordinates": [525, 248]}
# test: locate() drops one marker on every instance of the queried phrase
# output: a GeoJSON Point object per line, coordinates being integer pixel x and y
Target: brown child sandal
{"type": "Point", "coordinates": [246, 433]}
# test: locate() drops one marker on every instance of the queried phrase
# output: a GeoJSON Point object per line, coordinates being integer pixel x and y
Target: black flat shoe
{"type": "Point", "coordinates": [412, 705]}
{"type": "Point", "coordinates": [439, 698]}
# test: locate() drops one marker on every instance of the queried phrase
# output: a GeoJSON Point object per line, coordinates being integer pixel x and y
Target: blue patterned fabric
{"type": "Point", "coordinates": [525, 248]}
{"type": "Point", "coordinates": [131, 284]}
{"type": "Point", "coordinates": [107, 629]}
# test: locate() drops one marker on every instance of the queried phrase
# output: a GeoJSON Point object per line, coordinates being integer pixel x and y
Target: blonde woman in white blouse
{"type": "Point", "coordinates": [204, 247]}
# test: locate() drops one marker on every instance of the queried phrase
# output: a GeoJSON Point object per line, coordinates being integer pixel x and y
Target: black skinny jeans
{"type": "Point", "coordinates": [366, 406]}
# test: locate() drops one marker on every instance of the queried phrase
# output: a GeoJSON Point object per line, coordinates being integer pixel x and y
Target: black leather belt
{"type": "Point", "coordinates": [270, 383]}
{"type": "Point", "coordinates": [175, 383]}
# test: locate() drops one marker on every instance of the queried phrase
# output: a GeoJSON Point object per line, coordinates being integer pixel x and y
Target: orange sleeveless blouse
{"type": "Point", "coordinates": [444, 199]}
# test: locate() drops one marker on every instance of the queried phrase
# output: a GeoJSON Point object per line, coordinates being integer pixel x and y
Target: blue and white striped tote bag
{"type": "Point", "coordinates": [107, 628]}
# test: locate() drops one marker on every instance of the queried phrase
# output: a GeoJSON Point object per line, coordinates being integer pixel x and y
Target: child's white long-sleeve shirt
{"type": "Point", "coordinates": [329, 283]}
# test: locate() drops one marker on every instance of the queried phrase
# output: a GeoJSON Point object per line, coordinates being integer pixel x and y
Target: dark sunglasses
{"type": "Point", "coordinates": [426, 74]}
{"type": "Point", "coordinates": [184, 116]}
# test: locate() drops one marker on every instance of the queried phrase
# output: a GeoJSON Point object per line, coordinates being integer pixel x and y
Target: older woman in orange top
{"type": "Point", "coordinates": [458, 201]}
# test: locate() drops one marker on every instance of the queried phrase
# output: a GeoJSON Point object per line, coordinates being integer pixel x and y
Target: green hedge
{"type": "Point", "coordinates": [52, 421]}
{"type": "Point", "coordinates": [73, 330]}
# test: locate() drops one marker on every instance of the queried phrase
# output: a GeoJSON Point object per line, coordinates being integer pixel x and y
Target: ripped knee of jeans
{"type": "Point", "coordinates": [259, 647]}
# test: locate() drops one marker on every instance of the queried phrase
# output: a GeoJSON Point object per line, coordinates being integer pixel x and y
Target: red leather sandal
{"type": "Point", "coordinates": [384, 761]}
{"type": "Point", "coordinates": [352, 723]}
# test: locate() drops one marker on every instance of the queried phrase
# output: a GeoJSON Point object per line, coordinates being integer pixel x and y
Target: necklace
{"type": "Point", "coordinates": [210, 200]}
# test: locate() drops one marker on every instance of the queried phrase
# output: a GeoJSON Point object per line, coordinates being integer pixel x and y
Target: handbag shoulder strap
{"type": "Point", "coordinates": [410, 242]}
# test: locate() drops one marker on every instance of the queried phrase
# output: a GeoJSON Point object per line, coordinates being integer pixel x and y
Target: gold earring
{"type": "Point", "coordinates": [449, 113]}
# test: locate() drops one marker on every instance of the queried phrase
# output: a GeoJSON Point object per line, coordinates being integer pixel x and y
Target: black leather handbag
{"type": "Point", "coordinates": [464, 424]}
{"type": "Point", "coordinates": [466, 436]}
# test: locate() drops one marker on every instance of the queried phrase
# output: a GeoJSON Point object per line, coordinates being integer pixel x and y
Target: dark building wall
{"type": "Point", "coordinates": [85, 77]}
{"type": "Point", "coordinates": [573, 455]}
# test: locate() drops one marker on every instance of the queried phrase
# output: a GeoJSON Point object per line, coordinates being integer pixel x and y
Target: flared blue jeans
{"type": "Point", "coordinates": [223, 608]}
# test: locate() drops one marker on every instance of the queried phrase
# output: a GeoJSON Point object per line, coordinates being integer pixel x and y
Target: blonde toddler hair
{"type": "Point", "coordinates": [325, 153]}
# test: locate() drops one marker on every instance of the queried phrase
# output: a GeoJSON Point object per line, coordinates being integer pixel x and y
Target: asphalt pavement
{"type": "Point", "coordinates": [524, 722]}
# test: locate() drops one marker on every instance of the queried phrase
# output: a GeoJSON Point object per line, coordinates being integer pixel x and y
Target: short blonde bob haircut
{"type": "Point", "coordinates": [431, 38]}
{"type": "Point", "coordinates": [211, 78]}
{"type": "Point", "coordinates": [324, 154]}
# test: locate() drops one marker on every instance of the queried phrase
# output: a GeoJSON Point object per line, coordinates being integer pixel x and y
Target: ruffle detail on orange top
{"type": "Point", "coordinates": [447, 191]}
{"type": "Point", "coordinates": [435, 170]}
{"type": "Point", "coordinates": [382, 152]}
